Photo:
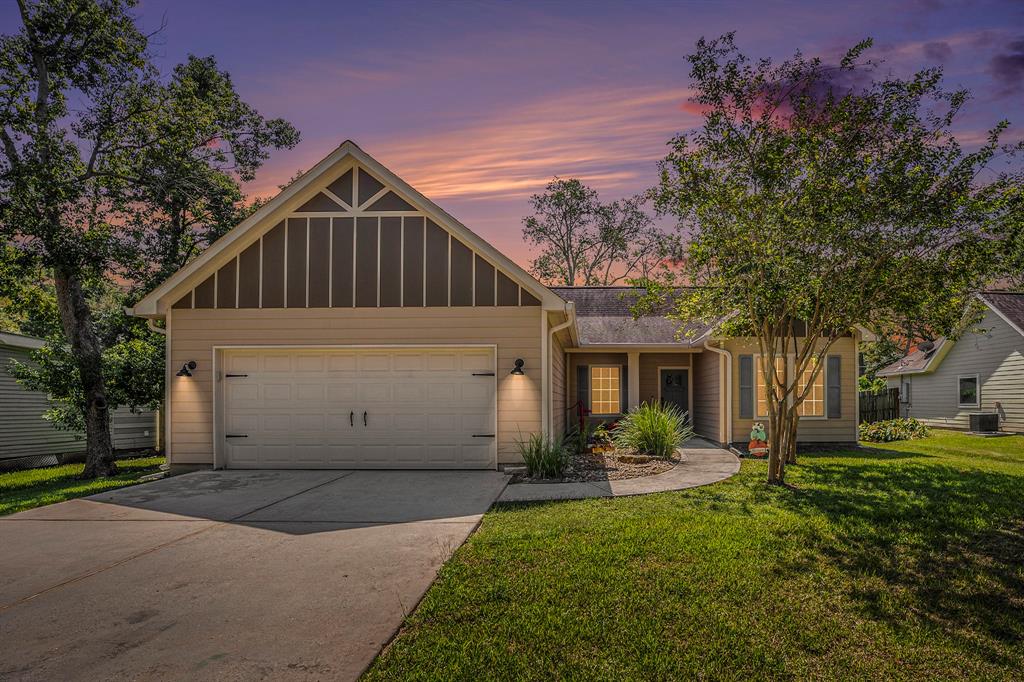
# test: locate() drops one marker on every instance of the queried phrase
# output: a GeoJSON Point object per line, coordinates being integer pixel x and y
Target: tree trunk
{"type": "Point", "coordinates": [76, 320]}
{"type": "Point", "coordinates": [776, 450]}
{"type": "Point", "coordinates": [791, 441]}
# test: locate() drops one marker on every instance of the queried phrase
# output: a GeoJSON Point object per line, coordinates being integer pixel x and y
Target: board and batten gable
{"type": "Point", "coordinates": [996, 356]}
{"type": "Point", "coordinates": [330, 253]}
{"type": "Point", "coordinates": [353, 261]}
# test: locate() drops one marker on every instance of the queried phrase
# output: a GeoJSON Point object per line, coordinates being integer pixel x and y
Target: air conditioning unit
{"type": "Point", "coordinates": [985, 422]}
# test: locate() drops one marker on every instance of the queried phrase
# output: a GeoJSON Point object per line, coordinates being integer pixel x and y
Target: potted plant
{"type": "Point", "coordinates": [602, 440]}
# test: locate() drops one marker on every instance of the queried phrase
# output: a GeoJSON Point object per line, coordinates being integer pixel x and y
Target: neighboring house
{"type": "Point", "coordinates": [24, 432]}
{"type": "Point", "coordinates": [350, 322]}
{"type": "Point", "coordinates": [943, 383]}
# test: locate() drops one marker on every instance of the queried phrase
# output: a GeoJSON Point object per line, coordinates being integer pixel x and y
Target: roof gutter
{"type": "Point", "coordinates": [728, 387]}
{"type": "Point", "coordinates": [549, 402]}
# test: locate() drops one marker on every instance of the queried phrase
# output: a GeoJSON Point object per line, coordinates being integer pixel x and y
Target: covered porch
{"type": "Point", "coordinates": [606, 383]}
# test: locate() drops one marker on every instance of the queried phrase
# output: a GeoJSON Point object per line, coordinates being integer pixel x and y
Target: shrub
{"type": "Point", "coordinates": [893, 429]}
{"type": "Point", "coordinates": [652, 429]}
{"type": "Point", "coordinates": [577, 439]}
{"type": "Point", "coordinates": [544, 457]}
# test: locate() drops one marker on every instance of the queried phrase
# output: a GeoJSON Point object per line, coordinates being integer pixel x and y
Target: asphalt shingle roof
{"type": "Point", "coordinates": [1009, 303]}
{"type": "Point", "coordinates": [916, 361]}
{"type": "Point", "coordinates": [604, 316]}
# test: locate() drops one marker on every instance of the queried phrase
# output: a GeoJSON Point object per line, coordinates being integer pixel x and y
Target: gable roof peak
{"type": "Point", "coordinates": [155, 303]}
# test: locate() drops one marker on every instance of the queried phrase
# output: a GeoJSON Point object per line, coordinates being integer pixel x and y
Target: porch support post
{"type": "Point", "coordinates": [633, 378]}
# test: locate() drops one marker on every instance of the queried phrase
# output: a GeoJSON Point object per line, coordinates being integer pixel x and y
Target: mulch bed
{"type": "Point", "coordinates": [605, 467]}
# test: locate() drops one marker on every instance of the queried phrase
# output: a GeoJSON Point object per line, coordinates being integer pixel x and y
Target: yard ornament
{"type": "Point", "coordinates": [758, 445]}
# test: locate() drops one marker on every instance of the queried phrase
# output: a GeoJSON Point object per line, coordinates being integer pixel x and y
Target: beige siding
{"type": "Point", "coordinates": [707, 395]}
{"type": "Point", "coordinates": [194, 333]}
{"type": "Point", "coordinates": [841, 430]}
{"type": "Point", "coordinates": [649, 364]}
{"type": "Point", "coordinates": [558, 387]}
{"type": "Point", "coordinates": [997, 357]}
{"type": "Point", "coordinates": [24, 432]}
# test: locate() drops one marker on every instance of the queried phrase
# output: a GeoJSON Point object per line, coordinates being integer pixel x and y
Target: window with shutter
{"type": "Point", "coordinates": [835, 386]}
{"type": "Point", "coordinates": [746, 387]}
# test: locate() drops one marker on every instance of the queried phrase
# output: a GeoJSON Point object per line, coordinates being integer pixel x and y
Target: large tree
{"type": "Point", "coordinates": [820, 197]}
{"type": "Point", "coordinates": [77, 182]}
{"type": "Point", "coordinates": [584, 241]}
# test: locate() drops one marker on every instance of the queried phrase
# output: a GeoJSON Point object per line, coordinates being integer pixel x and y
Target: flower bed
{"type": "Point", "coordinates": [606, 466]}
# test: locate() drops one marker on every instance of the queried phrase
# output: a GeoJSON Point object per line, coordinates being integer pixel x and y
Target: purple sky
{"type": "Point", "coordinates": [478, 105]}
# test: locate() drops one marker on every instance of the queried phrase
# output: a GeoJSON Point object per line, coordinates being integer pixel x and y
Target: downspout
{"type": "Point", "coordinates": [160, 414]}
{"type": "Point", "coordinates": [728, 389]}
{"type": "Point", "coordinates": [570, 312]}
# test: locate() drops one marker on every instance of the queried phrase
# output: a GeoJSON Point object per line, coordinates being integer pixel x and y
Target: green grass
{"type": "Point", "coordinates": [902, 561]}
{"type": "Point", "coordinates": [21, 490]}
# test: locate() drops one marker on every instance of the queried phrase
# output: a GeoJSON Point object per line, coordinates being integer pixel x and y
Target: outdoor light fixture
{"type": "Point", "coordinates": [185, 370]}
{"type": "Point", "coordinates": [518, 371]}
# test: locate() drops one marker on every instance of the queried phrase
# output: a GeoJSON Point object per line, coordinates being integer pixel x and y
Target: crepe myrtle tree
{"type": "Point", "coordinates": [92, 140]}
{"type": "Point", "coordinates": [816, 198]}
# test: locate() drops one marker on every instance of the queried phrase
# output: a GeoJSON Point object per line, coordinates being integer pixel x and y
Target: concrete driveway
{"type": "Point", "coordinates": [228, 575]}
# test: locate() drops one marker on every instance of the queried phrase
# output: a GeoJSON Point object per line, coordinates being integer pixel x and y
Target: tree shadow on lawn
{"type": "Point", "coordinates": [947, 544]}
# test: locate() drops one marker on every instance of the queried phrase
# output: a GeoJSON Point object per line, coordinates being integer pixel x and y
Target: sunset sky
{"type": "Point", "coordinates": [478, 105]}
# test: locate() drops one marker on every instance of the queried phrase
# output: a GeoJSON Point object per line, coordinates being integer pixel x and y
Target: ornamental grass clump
{"type": "Point", "coordinates": [652, 429]}
{"type": "Point", "coordinates": [544, 457]}
{"type": "Point", "coordinates": [893, 430]}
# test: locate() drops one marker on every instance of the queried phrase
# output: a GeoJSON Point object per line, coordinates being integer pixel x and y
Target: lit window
{"type": "Point", "coordinates": [604, 390]}
{"type": "Point", "coordinates": [762, 393]}
{"type": "Point", "coordinates": [967, 388]}
{"type": "Point", "coordinates": [814, 404]}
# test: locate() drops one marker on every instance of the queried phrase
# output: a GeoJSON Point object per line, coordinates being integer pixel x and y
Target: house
{"type": "Point", "coordinates": [350, 322]}
{"type": "Point", "coordinates": [25, 434]}
{"type": "Point", "coordinates": [943, 382]}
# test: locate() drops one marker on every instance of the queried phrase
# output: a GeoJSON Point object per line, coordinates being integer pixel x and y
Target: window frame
{"type": "Point", "coordinates": [824, 389]}
{"type": "Point", "coordinates": [758, 377]}
{"type": "Point", "coordinates": [590, 390]}
{"type": "Point", "coordinates": [789, 365]}
{"type": "Point", "coordinates": [977, 390]}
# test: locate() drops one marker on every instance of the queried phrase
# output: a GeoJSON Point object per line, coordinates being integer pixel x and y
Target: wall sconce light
{"type": "Point", "coordinates": [185, 370]}
{"type": "Point", "coordinates": [518, 370]}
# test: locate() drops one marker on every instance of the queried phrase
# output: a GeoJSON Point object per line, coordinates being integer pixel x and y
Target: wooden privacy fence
{"type": "Point", "coordinates": [876, 407]}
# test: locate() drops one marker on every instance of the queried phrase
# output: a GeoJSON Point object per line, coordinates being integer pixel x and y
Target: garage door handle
{"type": "Point", "coordinates": [364, 418]}
{"type": "Point", "coordinates": [483, 435]}
{"type": "Point", "coordinates": [483, 374]}
{"type": "Point", "coordinates": [236, 435]}
{"type": "Point", "coordinates": [351, 418]}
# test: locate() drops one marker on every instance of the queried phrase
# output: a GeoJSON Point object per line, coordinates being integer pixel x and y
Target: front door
{"type": "Point", "coordinates": [675, 388]}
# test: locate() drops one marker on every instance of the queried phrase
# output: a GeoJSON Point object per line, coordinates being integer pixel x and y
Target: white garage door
{"type": "Point", "coordinates": [379, 408]}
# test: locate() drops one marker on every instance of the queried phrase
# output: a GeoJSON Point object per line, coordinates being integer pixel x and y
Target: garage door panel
{"type": "Point", "coordinates": [373, 392]}
{"type": "Point", "coordinates": [304, 408]}
{"type": "Point", "coordinates": [237, 392]}
{"type": "Point", "coordinates": [476, 423]}
{"type": "Point", "coordinates": [277, 392]}
{"type": "Point", "coordinates": [242, 423]}
{"type": "Point", "coordinates": [341, 391]}
{"type": "Point", "coordinates": [374, 362]}
{"type": "Point", "coordinates": [277, 362]}
{"type": "Point", "coordinates": [243, 363]}
{"type": "Point", "coordinates": [341, 362]}
{"type": "Point", "coordinates": [310, 363]}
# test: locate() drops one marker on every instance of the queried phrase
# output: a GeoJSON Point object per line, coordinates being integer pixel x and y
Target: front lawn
{"type": "Point", "coordinates": [21, 490]}
{"type": "Point", "coordinates": [903, 561]}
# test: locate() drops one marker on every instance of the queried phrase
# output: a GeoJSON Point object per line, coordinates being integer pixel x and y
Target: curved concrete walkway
{"type": "Point", "coordinates": [705, 463]}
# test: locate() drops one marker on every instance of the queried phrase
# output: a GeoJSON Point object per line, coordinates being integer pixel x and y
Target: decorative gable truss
{"type": "Point", "coordinates": [357, 243]}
